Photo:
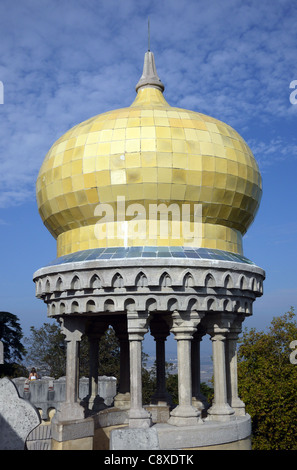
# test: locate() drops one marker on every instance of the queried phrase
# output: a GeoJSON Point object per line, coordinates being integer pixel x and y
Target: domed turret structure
{"type": "Point", "coordinates": [148, 154]}
{"type": "Point", "coordinates": [149, 204]}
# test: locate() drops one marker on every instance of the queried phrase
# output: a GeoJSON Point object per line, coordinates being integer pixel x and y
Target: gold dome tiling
{"type": "Point", "coordinates": [148, 153]}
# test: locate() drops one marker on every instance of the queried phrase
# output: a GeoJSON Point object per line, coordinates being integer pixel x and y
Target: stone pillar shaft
{"type": "Point", "coordinates": [137, 327]}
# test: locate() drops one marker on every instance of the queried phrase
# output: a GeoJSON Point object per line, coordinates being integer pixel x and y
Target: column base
{"type": "Point", "coordinates": [139, 418]}
{"type": "Point", "coordinates": [221, 412]}
{"type": "Point", "coordinates": [69, 412]}
{"type": "Point", "coordinates": [185, 416]}
{"type": "Point", "coordinates": [238, 407]}
{"type": "Point", "coordinates": [122, 401]}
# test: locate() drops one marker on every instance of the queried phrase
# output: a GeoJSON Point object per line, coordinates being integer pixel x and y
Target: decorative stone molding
{"type": "Point", "coordinates": [96, 287]}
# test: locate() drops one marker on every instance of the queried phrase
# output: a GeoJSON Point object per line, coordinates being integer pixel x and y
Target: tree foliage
{"type": "Point", "coordinates": [268, 383]}
{"type": "Point", "coordinates": [11, 336]}
{"type": "Point", "coordinates": [46, 349]}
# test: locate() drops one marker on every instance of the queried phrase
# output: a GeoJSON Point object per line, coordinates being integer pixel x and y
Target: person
{"type": "Point", "coordinates": [33, 374]}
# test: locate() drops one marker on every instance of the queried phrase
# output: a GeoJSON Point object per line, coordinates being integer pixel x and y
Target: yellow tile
{"type": "Point", "coordinates": [164, 190]}
{"type": "Point", "coordinates": [148, 159]}
{"type": "Point", "coordinates": [102, 178]}
{"type": "Point", "coordinates": [150, 175]}
{"type": "Point", "coordinates": [89, 164]}
{"type": "Point", "coordinates": [133, 133]}
{"type": "Point", "coordinates": [76, 167]}
{"type": "Point", "coordinates": [105, 135]}
{"type": "Point", "coordinates": [180, 160]}
{"type": "Point", "coordinates": [147, 121]}
{"type": "Point", "coordinates": [148, 145]}
{"type": "Point", "coordinates": [119, 134]}
{"type": "Point", "coordinates": [179, 176]}
{"type": "Point", "coordinates": [134, 175]}
{"type": "Point", "coordinates": [195, 162]}
{"type": "Point", "coordinates": [207, 148]}
{"type": "Point", "coordinates": [93, 138]}
{"type": "Point", "coordinates": [117, 147]}
{"type": "Point", "coordinates": [164, 175]}
{"type": "Point", "coordinates": [90, 180]}
{"type": "Point", "coordinates": [163, 132]}
{"type": "Point", "coordinates": [148, 132]}
{"type": "Point", "coordinates": [77, 182]}
{"type": "Point", "coordinates": [103, 148]}
{"type": "Point", "coordinates": [81, 140]}
{"type": "Point", "coordinates": [177, 133]}
{"type": "Point", "coordinates": [67, 185]}
{"type": "Point", "coordinates": [133, 145]}
{"type": "Point", "coordinates": [179, 146]}
{"type": "Point", "coordinates": [118, 177]}
{"type": "Point", "coordinates": [90, 150]}
{"type": "Point", "coordinates": [77, 153]}
{"type": "Point", "coordinates": [194, 177]}
{"type": "Point", "coordinates": [164, 159]}
{"type": "Point", "coordinates": [132, 160]}
{"type": "Point", "coordinates": [164, 145]}
{"type": "Point", "coordinates": [102, 163]}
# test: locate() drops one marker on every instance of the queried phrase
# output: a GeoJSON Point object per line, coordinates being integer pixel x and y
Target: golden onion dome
{"type": "Point", "coordinates": [101, 182]}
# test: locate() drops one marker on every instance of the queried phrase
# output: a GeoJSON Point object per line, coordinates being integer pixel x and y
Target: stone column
{"type": "Point", "coordinates": [122, 399]}
{"type": "Point", "coordinates": [198, 399]}
{"type": "Point", "coordinates": [137, 327]}
{"type": "Point", "coordinates": [218, 329]}
{"type": "Point", "coordinates": [95, 402]}
{"type": "Point", "coordinates": [73, 329]}
{"type": "Point", "coordinates": [184, 326]}
{"type": "Point", "coordinates": [160, 331]}
{"type": "Point", "coordinates": [231, 367]}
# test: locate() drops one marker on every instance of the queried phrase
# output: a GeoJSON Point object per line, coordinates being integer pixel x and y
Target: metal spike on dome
{"type": "Point", "coordinates": [149, 76]}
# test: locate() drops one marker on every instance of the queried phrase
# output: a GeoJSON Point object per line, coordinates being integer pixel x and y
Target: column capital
{"type": "Point", "coordinates": [137, 323]}
{"type": "Point", "coordinates": [184, 323]}
{"type": "Point", "coordinates": [72, 328]}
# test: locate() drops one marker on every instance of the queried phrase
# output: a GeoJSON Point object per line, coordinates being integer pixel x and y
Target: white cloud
{"type": "Point", "coordinates": [62, 64]}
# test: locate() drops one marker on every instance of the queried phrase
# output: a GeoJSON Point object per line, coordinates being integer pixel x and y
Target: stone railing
{"type": "Point", "coordinates": [47, 393]}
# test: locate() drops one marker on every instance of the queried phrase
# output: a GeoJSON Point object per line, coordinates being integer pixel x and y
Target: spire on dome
{"type": "Point", "coordinates": [149, 77]}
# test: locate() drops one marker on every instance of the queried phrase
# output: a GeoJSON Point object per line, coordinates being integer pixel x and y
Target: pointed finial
{"type": "Point", "coordinates": [149, 77]}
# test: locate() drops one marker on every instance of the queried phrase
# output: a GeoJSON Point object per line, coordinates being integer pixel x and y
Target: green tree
{"type": "Point", "coordinates": [11, 335]}
{"type": "Point", "coordinates": [268, 383]}
{"type": "Point", "coordinates": [46, 349]}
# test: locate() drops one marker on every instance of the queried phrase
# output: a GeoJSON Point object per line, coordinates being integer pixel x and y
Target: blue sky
{"type": "Point", "coordinates": [62, 62]}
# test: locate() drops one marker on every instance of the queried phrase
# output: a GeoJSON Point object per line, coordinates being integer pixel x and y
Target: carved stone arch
{"type": "Point", "coordinates": [192, 303]}
{"type": "Point", "coordinates": [151, 304]}
{"type": "Point", "coordinates": [209, 280]}
{"type": "Point", "coordinates": [53, 309]}
{"type": "Point", "coordinates": [39, 287]}
{"type": "Point", "coordinates": [74, 307]}
{"type": "Point", "coordinates": [228, 282]}
{"type": "Point", "coordinates": [117, 281]}
{"type": "Point", "coordinates": [62, 308]}
{"type": "Point", "coordinates": [243, 283]}
{"type": "Point", "coordinates": [141, 280]}
{"type": "Point", "coordinates": [109, 305]}
{"type": "Point", "coordinates": [47, 287]}
{"type": "Point", "coordinates": [165, 280]}
{"type": "Point", "coordinates": [188, 280]}
{"type": "Point", "coordinates": [172, 304]}
{"type": "Point", "coordinates": [252, 283]}
{"type": "Point", "coordinates": [95, 282]}
{"type": "Point", "coordinates": [59, 284]}
{"type": "Point", "coordinates": [227, 305]}
{"type": "Point", "coordinates": [130, 305]}
{"type": "Point", "coordinates": [247, 308]}
{"type": "Point", "coordinates": [90, 306]}
{"type": "Point", "coordinates": [210, 305]}
{"type": "Point", "coordinates": [75, 283]}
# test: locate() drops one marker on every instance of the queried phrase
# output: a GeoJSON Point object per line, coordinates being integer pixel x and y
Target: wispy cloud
{"type": "Point", "coordinates": [62, 63]}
